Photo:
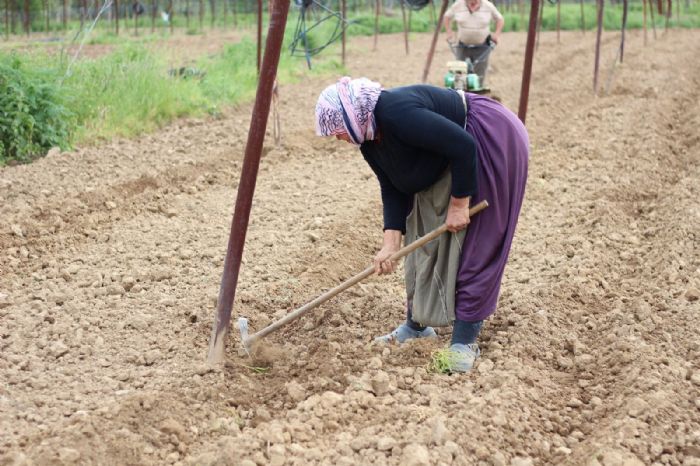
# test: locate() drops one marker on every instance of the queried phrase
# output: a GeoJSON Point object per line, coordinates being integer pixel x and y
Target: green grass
{"type": "Point", "coordinates": [129, 91]}
{"type": "Point", "coordinates": [125, 93]}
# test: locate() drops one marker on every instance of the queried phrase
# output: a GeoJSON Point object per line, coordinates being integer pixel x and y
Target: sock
{"type": "Point", "coordinates": [466, 332]}
{"type": "Point", "coordinates": [409, 319]}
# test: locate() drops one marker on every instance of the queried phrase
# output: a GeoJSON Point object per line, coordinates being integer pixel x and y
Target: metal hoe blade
{"type": "Point", "coordinates": [243, 327]}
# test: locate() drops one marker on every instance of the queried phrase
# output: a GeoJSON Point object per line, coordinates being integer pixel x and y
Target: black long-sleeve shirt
{"type": "Point", "coordinates": [421, 133]}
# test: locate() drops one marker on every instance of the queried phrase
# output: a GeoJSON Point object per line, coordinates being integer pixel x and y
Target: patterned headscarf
{"type": "Point", "coordinates": [348, 107]}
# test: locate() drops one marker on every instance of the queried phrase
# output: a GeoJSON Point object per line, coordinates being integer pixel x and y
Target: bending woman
{"type": "Point", "coordinates": [435, 151]}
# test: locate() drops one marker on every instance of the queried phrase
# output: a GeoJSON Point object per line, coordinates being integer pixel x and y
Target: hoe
{"type": "Point", "coordinates": [249, 340]}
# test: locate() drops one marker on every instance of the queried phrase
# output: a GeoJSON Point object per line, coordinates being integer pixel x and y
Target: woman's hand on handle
{"type": "Point", "coordinates": [392, 243]}
{"type": "Point", "coordinates": [457, 214]}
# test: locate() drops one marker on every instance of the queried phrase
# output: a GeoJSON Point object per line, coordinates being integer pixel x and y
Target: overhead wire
{"type": "Point", "coordinates": [303, 43]}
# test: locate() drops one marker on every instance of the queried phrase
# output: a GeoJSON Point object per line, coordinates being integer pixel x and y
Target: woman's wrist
{"type": "Point", "coordinates": [459, 202]}
{"type": "Point", "coordinates": [392, 238]}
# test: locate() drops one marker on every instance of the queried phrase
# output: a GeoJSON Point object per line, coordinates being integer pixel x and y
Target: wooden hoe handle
{"type": "Point", "coordinates": [354, 280]}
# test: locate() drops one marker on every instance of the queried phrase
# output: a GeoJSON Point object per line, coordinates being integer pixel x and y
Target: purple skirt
{"type": "Point", "coordinates": [503, 152]}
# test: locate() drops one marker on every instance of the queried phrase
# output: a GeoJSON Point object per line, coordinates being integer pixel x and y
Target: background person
{"type": "Point", "coordinates": [473, 18]}
{"type": "Point", "coordinates": [434, 151]}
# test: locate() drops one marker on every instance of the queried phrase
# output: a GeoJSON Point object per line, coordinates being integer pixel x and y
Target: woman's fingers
{"type": "Point", "coordinates": [384, 266]}
{"type": "Point", "coordinates": [457, 225]}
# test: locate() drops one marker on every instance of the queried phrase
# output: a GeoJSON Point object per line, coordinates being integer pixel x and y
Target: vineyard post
{"type": "Point", "coordinates": [225, 13]}
{"type": "Point", "coordinates": [376, 24]}
{"type": "Point", "coordinates": [599, 33]}
{"type": "Point", "coordinates": [625, 7]}
{"type": "Point", "coordinates": [154, 9]}
{"type": "Point", "coordinates": [212, 11]}
{"type": "Point", "coordinates": [7, 19]}
{"type": "Point", "coordinates": [431, 52]}
{"type": "Point", "coordinates": [405, 25]}
{"type": "Point", "coordinates": [527, 66]}
{"type": "Point", "coordinates": [48, 14]}
{"type": "Point", "coordinates": [27, 22]}
{"type": "Point", "coordinates": [644, 20]}
{"type": "Point", "coordinates": [13, 17]}
{"type": "Point", "coordinates": [344, 14]}
{"type": "Point", "coordinates": [558, 21]}
{"type": "Point", "coordinates": [246, 186]}
{"type": "Point", "coordinates": [539, 25]}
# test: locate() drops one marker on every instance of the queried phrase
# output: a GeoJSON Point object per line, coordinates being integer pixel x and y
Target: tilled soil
{"type": "Point", "coordinates": [111, 259]}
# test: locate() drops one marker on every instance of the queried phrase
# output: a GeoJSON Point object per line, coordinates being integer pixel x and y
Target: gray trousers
{"type": "Point", "coordinates": [431, 271]}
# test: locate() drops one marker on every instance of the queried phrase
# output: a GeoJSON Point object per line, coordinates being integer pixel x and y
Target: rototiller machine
{"type": "Point", "coordinates": [460, 73]}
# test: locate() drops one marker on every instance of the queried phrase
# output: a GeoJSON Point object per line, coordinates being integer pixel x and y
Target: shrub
{"type": "Point", "coordinates": [32, 116]}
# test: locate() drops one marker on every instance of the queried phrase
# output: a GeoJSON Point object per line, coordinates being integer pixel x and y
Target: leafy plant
{"type": "Point", "coordinates": [33, 118]}
{"type": "Point", "coordinates": [442, 361]}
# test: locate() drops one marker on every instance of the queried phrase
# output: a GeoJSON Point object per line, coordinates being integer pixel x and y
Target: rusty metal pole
{"type": "Point", "coordinates": [625, 7]}
{"type": "Point", "coordinates": [597, 46]}
{"type": "Point", "coordinates": [48, 14]}
{"type": "Point", "coordinates": [212, 12]}
{"type": "Point", "coordinates": [527, 67]}
{"type": "Point", "coordinates": [27, 19]}
{"type": "Point", "coordinates": [644, 20]}
{"type": "Point", "coordinates": [154, 10]}
{"type": "Point", "coordinates": [260, 10]}
{"type": "Point", "coordinates": [405, 26]}
{"type": "Point", "coordinates": [376, 24]}
{"type": "Point", "coordinates": [558, 21]}
{"type": "Point", "coordinates": [429, 60]}
{"type": "Point", "coordinates": [201, 15]}
{"type": "Point", "coordinates": [246, 187]}
{"type": "Point", "coordinates": [539, 26]}
{"type": "Point", "coordinates": [344, 14]}
{"type": "Point", "coordinates": [7, 19]}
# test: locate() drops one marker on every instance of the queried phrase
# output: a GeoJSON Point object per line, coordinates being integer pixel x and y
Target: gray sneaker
{"type": "Point", "coordinates": [403, 332]}
{"type": "Point", "coordinates": [462, 356]}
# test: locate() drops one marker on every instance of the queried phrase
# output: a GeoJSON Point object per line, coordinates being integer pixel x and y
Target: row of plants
{"type": "Point", "coordinates": [46, 102]}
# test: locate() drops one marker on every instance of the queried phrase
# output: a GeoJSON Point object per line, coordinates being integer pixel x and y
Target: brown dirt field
{"type": "Point", "coordinates": [111, 257]}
